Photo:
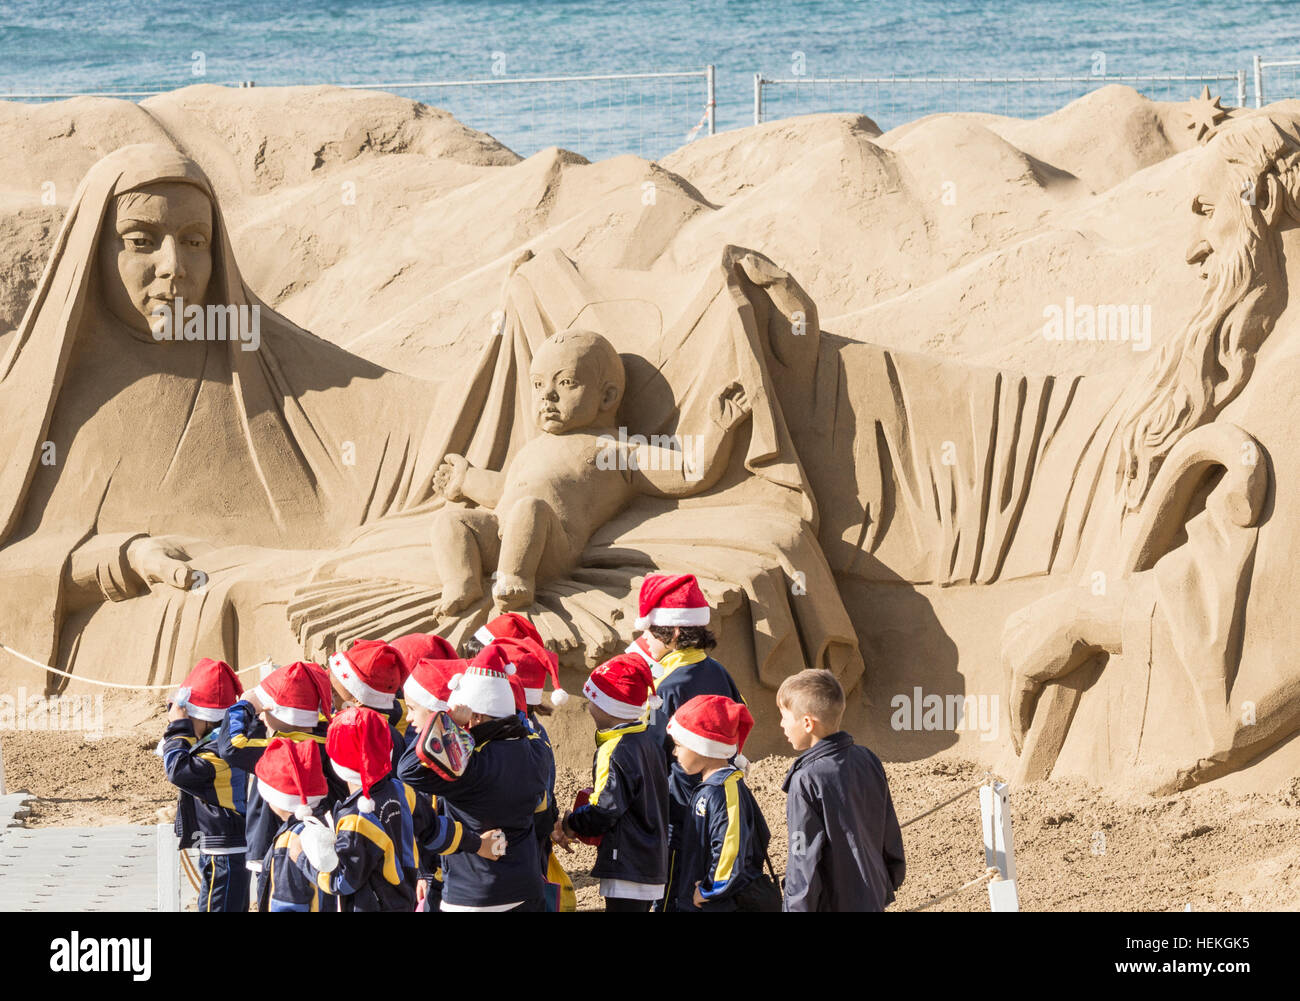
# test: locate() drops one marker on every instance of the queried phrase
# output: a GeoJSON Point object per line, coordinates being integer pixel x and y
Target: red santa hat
{"type": "Point", "coordinates": [298, 694]}
{"type": "Point", "coordinates": [414, 647]}
{"type": "Point", "coordinates": [512, 625]}
{"type": "Point", "coordinates": [711, 725]}
{"type": "Point", "coordinates": [370, 671]}
{"type": "Point", "coordinates": [360, 750]}
{"type": "Point", "coordinates": [484, 686]}
{"type": "Point", "coordinates": [622, 687]}
{"type": "Point", "coordinates": [428, 685]}
{"type": "Point", "coordinates": [641, 648]}
{"type": "Point", "coordinates": [517, 690]}
{"type": "Point", "coordinates": [533, 665]}
{"type": "Point", "coordinates": [671, 600]}
{"type": "Point", "coordinates": [289, 776]}
{"type": "Point", "coordinates": [210, 689]}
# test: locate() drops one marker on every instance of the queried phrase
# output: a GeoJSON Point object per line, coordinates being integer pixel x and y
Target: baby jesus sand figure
{"type": "Point", "coordinates": [534, 518]}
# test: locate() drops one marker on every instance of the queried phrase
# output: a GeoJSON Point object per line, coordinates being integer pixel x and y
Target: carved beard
{"type": "Point", "coordinates": [1201, 370]}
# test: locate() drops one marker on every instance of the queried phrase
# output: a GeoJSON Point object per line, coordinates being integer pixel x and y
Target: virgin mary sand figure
{"type": "Point", "coordinates": [160, 496]}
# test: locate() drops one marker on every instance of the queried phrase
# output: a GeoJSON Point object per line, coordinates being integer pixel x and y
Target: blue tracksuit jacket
{"type": "Point", "coordinates": [502, 786]}
{"type": "Point", "coordinates": [377, 850]}
{"type": "Point", "coordinates": [283, 886]}
{"type": "Point", "coordinates": [846, 848]}
{"type": "Point", "coordinates": [723, 842]}
{"type": "Point", "coordinates": [210, 809]}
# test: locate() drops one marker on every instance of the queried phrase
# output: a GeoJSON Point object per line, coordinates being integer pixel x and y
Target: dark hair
{"type": "Point", "coordinates": [470, 648]}
{"type": "Point", "coordinates": [687, 636]}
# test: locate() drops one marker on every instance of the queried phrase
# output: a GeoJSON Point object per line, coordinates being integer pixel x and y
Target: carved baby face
{"type": "Point", "coordinates": [155, 247]}
{"type": "Point", "coordinates": [570, 387]}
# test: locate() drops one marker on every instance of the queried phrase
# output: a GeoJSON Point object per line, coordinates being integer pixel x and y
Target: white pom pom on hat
{"type": "Point", "coordinates": [365, 804]}
{"type": "Point", "coordinates": [559, 696]}
{"type": "Point", "coordinates": [654, 702]}
{"type": "Point", "coordinates": [302, 811]}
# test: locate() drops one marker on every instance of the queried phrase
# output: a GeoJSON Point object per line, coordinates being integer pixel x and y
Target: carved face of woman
{"type": "Point", "coordinates": [155, 248]}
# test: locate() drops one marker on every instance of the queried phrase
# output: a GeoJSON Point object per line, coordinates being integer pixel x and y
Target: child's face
{"type": "Point", "coordinates": [282, 814]}
{"type": "Point", "coordinates": [418, 714]}
{"type": "Point", "coordinates": [798, 730]}
{"type": "Point", "coordinates": [692, 763]}
{"type": "Point", "coordinates": [567, 390]}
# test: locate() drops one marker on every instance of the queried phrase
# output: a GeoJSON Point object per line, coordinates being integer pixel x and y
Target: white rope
{"type": "Point", "coordinates": [106, 684]}
{"type": "Point", "coordinates": [990, 873]}
{"type": "Point", "coordinates": [988, 777]}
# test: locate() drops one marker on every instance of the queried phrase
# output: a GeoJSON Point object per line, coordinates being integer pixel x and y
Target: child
{"type": "Point", "coordinates": [427, 693]}
{"type": "Point", "coordinates": [500, 788]}
{"type": "Point", "coordinates": [411, 649]}
{"type": "Point", "coordinates": [533, 665]}
{"type": "Point", "coordinates": [674, 611]}
{"type": "Point", "coordinates": [374, 828]}
{"type": "Point", "coordinates": [211, 805]}
{"type": "Point", "coordinates": [290, 703]}
{"type": "Point", "coordinates": [846, 848]}
{"type": "Point", "coordinates": [724, 838]}
{"type": "Point", "coordinates": [292, 784]}
{"type": "Point", "coordinates": [628, 806]}
{"type": "Point", "coordinates": [508, 625]}
{"type": "Point", "coordinates": [369, 673]}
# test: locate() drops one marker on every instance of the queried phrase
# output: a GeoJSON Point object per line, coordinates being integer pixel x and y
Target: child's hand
{"type": "Point", "coordinates": [461, 715]}
{"type": "Point", "coordinates": [449, 479]}
{"type": "Point", "coordinates": [698, 898]}
{"type": "Point", "coordinates": [560, 837]}
{"type": "Point", "coordinates": [421, 891]}
{"type": "Point", "coordinates": [176, 711]}
{"type": "Point", "coordinates": [493, 846]}
{"type": "Point", "coordinates": [295, 847]}
{"type": "Point", "coordinates": [730, 407]}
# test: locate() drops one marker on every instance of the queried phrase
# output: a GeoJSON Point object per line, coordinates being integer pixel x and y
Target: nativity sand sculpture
{"type": "Point", "coordinates": [1134, 536]}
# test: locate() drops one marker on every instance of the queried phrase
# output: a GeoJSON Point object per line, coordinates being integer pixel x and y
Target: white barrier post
{"type": "Point", "coordinates": [169, 870]}
{"type": "Point", "coordinates": [2, 771]}
{"type": "Point", "coordinates": [999, 850]}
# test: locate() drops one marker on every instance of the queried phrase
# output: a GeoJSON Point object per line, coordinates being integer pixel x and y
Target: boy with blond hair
{"type": "Point", "coordinates": [845, 845]}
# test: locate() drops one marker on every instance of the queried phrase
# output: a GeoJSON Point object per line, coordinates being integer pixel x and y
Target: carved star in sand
{"type": "Point", "coordinates": [1205, 113]}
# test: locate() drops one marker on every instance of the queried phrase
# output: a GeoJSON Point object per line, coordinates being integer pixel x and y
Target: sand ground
{"type": "Point", "coordinates": [1078, 847]}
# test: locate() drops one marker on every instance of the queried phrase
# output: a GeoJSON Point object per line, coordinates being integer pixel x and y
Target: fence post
{"type": "Point", "coordinates": [1241, 88]}
{"type": "Point", "coordinates": [169, 870]}
{"type": "Point", "coordinates": [999, 849]}
{"type": "Point", "coordinates": [2, 771]}
{"type": "Point", "coordinates": [1259, 82]}
{"type": "Point", "coordinates": [758, 98]}
{"type": "Point", "coordinates": [712, 97]}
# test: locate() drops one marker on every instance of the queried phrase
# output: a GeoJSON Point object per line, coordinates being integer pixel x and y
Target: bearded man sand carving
{"type": "Point", "coordinates": [536, 517]}
{"type": "Point", "coordinates": [1197, 486]}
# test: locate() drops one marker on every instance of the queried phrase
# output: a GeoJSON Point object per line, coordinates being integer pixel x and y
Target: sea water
{"type": "Point", "coordinates": [96, 45]}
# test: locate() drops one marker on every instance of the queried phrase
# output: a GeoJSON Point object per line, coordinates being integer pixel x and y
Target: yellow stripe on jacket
{"type": "Point", "coordinates": [731, 840]}
{"type": "Point", "coordinates": [377, 836]}
{"type": "Point", "coordinates": [220, 780]}
{"type": "Point", "coordinates": [606, 741]}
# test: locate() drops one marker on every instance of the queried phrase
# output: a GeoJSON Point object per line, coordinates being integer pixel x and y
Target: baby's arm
{"type": "Point", "coordinates": [457, 480]}
{"type": "Point", "coordinates": [703, 459]}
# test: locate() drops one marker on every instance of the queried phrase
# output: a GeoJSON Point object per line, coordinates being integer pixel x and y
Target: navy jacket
{"type": "Point", "coordinates": [628, 808]}
{"type": "Point", "coordinates": [503, 784]}
{"type": "Point", "coordinates": [210, 809]}
{"type": "Point", "coordinates": [846, 848]}
{"type": "Point", "coordinates": [547, 812]}
{"type": "Point", "coordinates": [678, 685]}
{"type": "Point", "coordinates": [283, 886]}
{"type": "Point", "coordinates": [723, 843]}
{"type": "Point", "coordinates": [377, 850]}
{"type": "Point", "coordinates": [243, 739]}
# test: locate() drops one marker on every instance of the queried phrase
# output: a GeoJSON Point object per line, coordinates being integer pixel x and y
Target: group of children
{"type": "Point", "coordinates": [405, 777]}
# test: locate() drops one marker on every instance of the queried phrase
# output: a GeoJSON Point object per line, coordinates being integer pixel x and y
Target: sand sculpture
{"type": "Point", "coordinates": [1124, 539]}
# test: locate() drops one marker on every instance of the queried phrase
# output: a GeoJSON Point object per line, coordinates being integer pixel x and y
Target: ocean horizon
{"type": "Point", "coordinates": [98, 46]}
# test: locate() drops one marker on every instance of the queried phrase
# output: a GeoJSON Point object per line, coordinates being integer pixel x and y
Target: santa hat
{"type": "Point", "coordinates": [360, 750]}
{"type": "Point", "coordinates": [298, 694]}
{"type": "Point", "coordinates": [711, 725]}
{"type": "Point", "coordinates": [533, 665]}
{"type": "Point", "coordinates": [370, 671]}
{"type": "Point", "coordinates": [671, 600]}
{"type": "Point", "coordinates": [484, 686]}
{"type": "Point", "coordinates": [517, 691]}
{"type": "Point", "coordinates": [641, 647]}
{"type": "Point", "coordinates": [622, 687]}
{"type": "Point", "coordinates": [289, 776]}
{"type": "Point", "coordinates": [212, 688]}
{"type": "Point", "coordinates": [512, 625]}
{"type": "Point", "coordinates": [427, 686]}
{"type": "Point", "coordinates": [414, 647]}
